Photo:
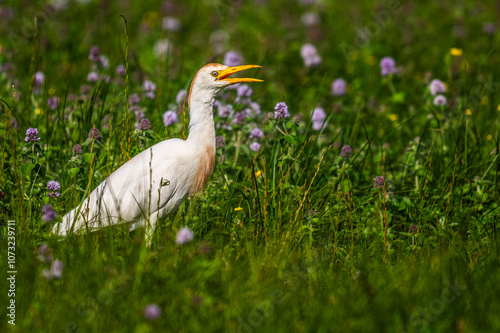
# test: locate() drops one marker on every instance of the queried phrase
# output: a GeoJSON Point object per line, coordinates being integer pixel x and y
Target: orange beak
{"type": "Point", "coordinates": [224, 75]}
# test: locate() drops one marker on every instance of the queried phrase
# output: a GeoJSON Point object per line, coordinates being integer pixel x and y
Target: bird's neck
{"type": "Point", "coordinates": [202, 137]}
{"type": "Point", "coordinates": [201, 123]}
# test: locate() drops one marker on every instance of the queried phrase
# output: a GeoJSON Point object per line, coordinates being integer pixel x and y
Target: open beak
{"type": "Point", "coordinates": [224, 75]}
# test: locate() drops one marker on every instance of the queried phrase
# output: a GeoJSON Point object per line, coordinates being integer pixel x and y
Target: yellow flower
{"type": "Point", "coordinates": [237, 209]}
{"type": "Point", "coordinates": [353, 56]}
{"type": "Point", "coordinates": [52, 91]}
{"type": "Point", "coordinates": [393, 117]}
{"type": "Point", "coordinates": [38, 111]}
{"type": "Point", "coordinates": [468, 112]}
{"type": "Point", "coordinates": [258, 173]}
{"type": "Point", "coordinates": [498, 107]}
{"type": "Point", "coordinates": [456, 52]}
{"type": "Point", "coordinates": [489, 137]}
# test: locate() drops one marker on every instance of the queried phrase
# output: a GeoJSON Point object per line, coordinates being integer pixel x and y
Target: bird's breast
{"type": "Point", "coordinates": [204, 169]}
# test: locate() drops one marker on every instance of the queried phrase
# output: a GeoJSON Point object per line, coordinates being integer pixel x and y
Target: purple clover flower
{"type": "Point", "coordinates": [53, 102]}
{"type": "Point", "coordinates": [134, 99]}
{"type": "Point", "coordinates": [145, 125]}
{"type": "Point", "coordinates": [339, 87]}
{"type": "Point", "coordinates": [48, 215]}
{"type": "Point", "coordinates": [152, 312]}
{"type": "Point", "coordinates": [94, 53]}
{"type": "Point", "coordinates": [318, 114]}
{"type": "Point", "coordinates": [137, 110]}
{"type": "Point", "coordinates": [388, 66]}
{"type": "Point", "coordinates": [148, 86]}
{"type": "Point", "coordinates": [239, 118]}
{"type": "Point", "coordinates": [308, 50]}
{"type": "Point", "coordinates": [255, 107]}
{"type": "Point", "coordinates": [345, 151]}
{"type": "Point", "coordinates": [440, 100]}
{"type": "Point", "coordinates": [310, 55]}
{"type": "Point", "coordinates": [256, 133]}
{"type": "Point", "coordinates": [313, 60]}
{"type": "Point", "coordinates": [94, 133]}
{"type": "Point", "coordinates": [170, 23]}
{"type": "Point", "coordinates": [93, 77]}
{"type": "Point", "coordinates": [104, 61]}
{"type": "Point", "coordinates": [53, 185]}
{"type": "Point", "coordinates": [255, 146]}
{"type": "Point", "coordinates": [169, 118]}
{"type": "Point", "coordinates": [220, 142]}
{"type": "Point", "coordinates": [232, 58]}
{"type": "Point", "coordinates": [55, 271]}
{"type": "Point", "coordinates": [77, 149]}
{"type": "Point", "coordinates": [38, 79]}
{"type": "Point", "coordinates": [181, 95]}
{"type": "Point", "coordinates": [31, 135]}
{"type": "Point", "coordinates": [44, 251]}
{"type": "Point", "coordinates": [150, 95]}
{"type": "Point", "coordinates": [317, 125]}
{"type": "Point", "coordinates": [436, 87]}
{"type": "Point", "coordinates": [139, 115]}
{"type": "Point", "coordinates": [244, 90]}
{"type": "Point", "coordinates": [225, 111]}
{"type": "Point", "coordinates": [281, 111]}
{"type": "Point", "coordinates": [413, 229]}
{"type": "Point", "coordinates": [184, 235]}
{"type": "Point", "coordinates": [120, 70]}
{"type": "Point", "coordinates": [162, 48]}
{"type": "Point", "coordinates": [318, 118]}
{"type": "Point", "coordinates": [310, 19]}
{"type": "Point", "coordinates": [378, 182]}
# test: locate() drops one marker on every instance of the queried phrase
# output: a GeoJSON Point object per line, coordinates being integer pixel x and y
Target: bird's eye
{"type": "Point", "coordinates": [215, 74]}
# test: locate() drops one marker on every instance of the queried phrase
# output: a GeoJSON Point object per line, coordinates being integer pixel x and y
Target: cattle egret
{"type": "Point", "coordinates": [155, 182]}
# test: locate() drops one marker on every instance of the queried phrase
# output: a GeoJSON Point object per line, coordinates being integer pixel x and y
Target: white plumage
{"type": "Point", "coordinates": [155, 182]}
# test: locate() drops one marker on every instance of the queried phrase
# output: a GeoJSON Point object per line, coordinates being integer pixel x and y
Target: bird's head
{"type": "Point", "coordinates": [212, 78]}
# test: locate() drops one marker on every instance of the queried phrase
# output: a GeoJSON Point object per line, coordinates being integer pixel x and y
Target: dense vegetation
{"type": "Point", "coordinates": [374, 206]}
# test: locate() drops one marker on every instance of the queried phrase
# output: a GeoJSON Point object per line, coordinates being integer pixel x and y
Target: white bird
{"type": "Point", "coordinates": [155, 182]}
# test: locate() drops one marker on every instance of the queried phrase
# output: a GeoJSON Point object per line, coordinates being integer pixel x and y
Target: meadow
{"type": "Point", "coordinates": [356, 189]}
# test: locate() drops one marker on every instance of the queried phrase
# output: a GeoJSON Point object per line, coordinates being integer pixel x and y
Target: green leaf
{"type": "Point", "coordinates": [73, 171]}
{"type": "Point", "coordinates": [289, 124]}
{"type": "Point", "coordinates": [26, 168]}
{"type": "Point", "coordinates": [398, 97]}
{"type": "Point", "coordinates": [87, 157]}
{"type": "Point", "coordinates": [291, 139]}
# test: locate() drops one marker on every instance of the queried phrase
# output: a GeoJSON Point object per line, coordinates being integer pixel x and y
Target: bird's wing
{"type": "Point", "coordinates": [152, 180]}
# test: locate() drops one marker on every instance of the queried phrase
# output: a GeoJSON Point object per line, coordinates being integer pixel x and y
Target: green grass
{"type": "Point", "coordinates": [294, 237]}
